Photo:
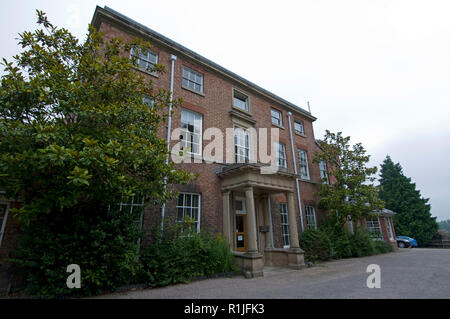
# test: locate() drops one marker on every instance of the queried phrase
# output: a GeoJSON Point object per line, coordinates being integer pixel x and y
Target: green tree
{"type": "Point", "coordinates": [350, 191]}
{"type": "Point", "coordinates": [445, 225]}
{"type": "Point", "coordinates": [413, 216]}
{"type": "Point", "coordinates": [76, 138]}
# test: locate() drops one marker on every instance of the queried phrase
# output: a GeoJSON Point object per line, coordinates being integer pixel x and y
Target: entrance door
{"type": "Point", "coordinates": [241, 235]}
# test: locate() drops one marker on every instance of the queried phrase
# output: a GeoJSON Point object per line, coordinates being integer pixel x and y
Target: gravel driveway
{"type": "Point", "coordinates": [408, 273]}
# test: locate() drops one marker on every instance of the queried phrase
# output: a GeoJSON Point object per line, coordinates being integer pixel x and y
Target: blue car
{"type": "Point", "coordinates": [401, 239]}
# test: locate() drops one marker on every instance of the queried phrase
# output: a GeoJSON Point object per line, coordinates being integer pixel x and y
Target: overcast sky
{"type": "Point", "coordinates": [379, 71]}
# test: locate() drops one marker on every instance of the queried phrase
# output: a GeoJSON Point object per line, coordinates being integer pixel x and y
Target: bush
{"type": "Point", "coordinates": [104, 245]}
{"type": "Point", "coordinates": [316, 244]}
{"type": "Point", "coordinates": [340, 241]}
{"type": "Point", "coordinates": [382, 247]}
{"type": "Point", "coordinates": [332, 242]}
{"type": "Point", "coordinates": [361, 244]}
{"type": "Point", "coordinates": [178, 256]}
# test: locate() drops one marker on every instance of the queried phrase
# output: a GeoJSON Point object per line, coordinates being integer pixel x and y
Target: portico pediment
{"type": "Point", "coordinates": [245, 175]}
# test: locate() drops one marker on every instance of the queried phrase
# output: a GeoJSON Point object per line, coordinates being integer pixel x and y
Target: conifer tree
{"type": "Point", "coordinates": [413, 216]}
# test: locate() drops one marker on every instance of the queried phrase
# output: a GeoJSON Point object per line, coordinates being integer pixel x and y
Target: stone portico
{"type": "Point", "coordinates": [247, 219]}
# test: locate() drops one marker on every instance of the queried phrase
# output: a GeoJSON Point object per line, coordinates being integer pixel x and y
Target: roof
{"type": "Point", "coordinates": [385, 212]}
{"type": "Point", "coordinates": [121, 19]}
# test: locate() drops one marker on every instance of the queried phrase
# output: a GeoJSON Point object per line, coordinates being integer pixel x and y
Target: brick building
{"type": "Point", "coordinates": [260, 214]}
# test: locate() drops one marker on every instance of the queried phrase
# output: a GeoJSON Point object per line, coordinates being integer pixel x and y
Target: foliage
{"type": "Point", "coordinates": [445, 225]}
{"type": "Point", "coordinates": [351, 191]}
{"type": "Point", "coordinates": [339, 239]}
{"type": "Point", "coordinates": [361, 244]}
{"type": "Point", "coordinates": [413, 216]}
{"type": "Point", "coordinates": [328, 242]}
{"type": "Point", "coordinates": [382, 247]}
{"type": "Point", "coordinates": [316, 244]}
{"type": "Point", "coordinates": [74, 128]}
{"type": "Point", "coordinates": [179, 254]}
{"type": "Point", "coordinates": [76, 138]}
{"type": "Point", "coordinates": [104, 245]}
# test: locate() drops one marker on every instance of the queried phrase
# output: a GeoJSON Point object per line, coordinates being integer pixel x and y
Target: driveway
{"type": "Point", "coordinates": [408, 273]}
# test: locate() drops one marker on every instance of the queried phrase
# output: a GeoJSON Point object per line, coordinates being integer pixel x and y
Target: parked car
{"type": "Point", "coordinates": [405, 242]}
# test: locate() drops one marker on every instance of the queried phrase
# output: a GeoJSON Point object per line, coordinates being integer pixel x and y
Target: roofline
{"type": "Point", "coordinates": [121, 19]}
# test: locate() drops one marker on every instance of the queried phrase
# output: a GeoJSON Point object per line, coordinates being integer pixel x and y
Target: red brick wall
{"type": "Point", "coordinates": [8, 276]}
{"type": "Point", "coordinates": [214, 105]}
{"type": "Point", "coordinates": [10, 236]}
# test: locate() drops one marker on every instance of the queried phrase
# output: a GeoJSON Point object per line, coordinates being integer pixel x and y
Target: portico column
{"type": "Point", "coordinates": [266, 212]}
{"type": "Point", "coordinates": [226, 216]}
{"type": "Point", "coordinates": [293, 232]}
{"type": "Point", "coordinates": [251, 221]}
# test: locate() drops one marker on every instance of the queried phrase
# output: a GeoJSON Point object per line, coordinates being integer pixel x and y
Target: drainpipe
{"type": "Point", "coordinates": [295, 171]}
{"type": "Point", "coordinates": [173, 58]}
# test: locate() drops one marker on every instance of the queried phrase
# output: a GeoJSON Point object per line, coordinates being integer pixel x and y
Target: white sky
{"type": "Point", "coordinates": [379, 71]}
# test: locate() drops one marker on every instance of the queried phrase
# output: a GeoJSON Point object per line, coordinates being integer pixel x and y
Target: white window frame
{"type": "Point", "coordinates": [300, 122]}
{"type": "Point", "coordinates": [372, 227]}
{"type": "Point", "coordinates": [146, 58]}
{"type": "Point", "coordinates": [389, 227]}
{"type": "Point", "coordinates": [280, 119]}
{"type": "Point", "coordinates": [284, 215]}
{"type": "Point", "coordinates": [196, 136]}
{"type": "Point", "coordinates": [196, 222]}
{"type": "Point", "coordinates": [323, 172]}
{"type": "Point", "coordinates": [310, 214]}
{"type": "Point", "coordinates": [5, 218]}
{"type": "Point", "coordinates": [237, 95]}
{"type": "Point", "coordinates": [132, 204]}
{"type": "Point", "coordinates": [303, 163]}
{"type": "Point", "coordinates": [241, 145]}
{"type": "Point", "coordinates": [148, 100]}
{"type": "Point", "coordinates": [244, 208]}
{"type": "Point", "coordinates": [191, 78]}
{"type": "Point", "coordinates": [280, 149]}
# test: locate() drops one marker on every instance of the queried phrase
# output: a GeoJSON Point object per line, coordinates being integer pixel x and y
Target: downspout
{"type": "Point", "coordinates": [173, 58]}
{"type": "Point", "coordinates": [295, 171]}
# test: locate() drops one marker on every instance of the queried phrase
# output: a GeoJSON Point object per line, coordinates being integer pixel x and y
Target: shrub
{"type": "Point", "coordinates": [382, 247]}
{"type": "Point", "coordinates": [316, 244]}
{"type": "Point", "coordinates": [104, 245]}
{"type": "Point", "coordinates": [340, 241]}
{"type": "Point", "coordinates": [178, 256]}
{"type": "Point", "coordinates": [361, 244]}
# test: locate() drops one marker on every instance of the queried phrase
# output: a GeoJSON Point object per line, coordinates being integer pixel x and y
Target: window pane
{"type": "Point", "coordinates": [2, 213]}
{"type": "Point", "coordinates": [195, 202]}
{"type": "Point", "coordinates": [179, 214]}
{"type": "Point", "coordinates": [303, 162]}
{"type": "Point", "coordinates": [298, 127]}
{"type": "Point", "coordinates": [276, 117]}
{"type": "Point", "coordinates": [187, 200]}
{"type": "Point", "coordinates": [239, 205]}
{"type": "Point", "coordinates": [191, 123]}
{"type": "Point", "coordinates": [240, 100]}
{"type": "Point", "coordinates": [195, 213]}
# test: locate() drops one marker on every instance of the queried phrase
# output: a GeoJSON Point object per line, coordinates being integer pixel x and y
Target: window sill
{"type": "Point", "coordinates": [242, 110]}
{"type": "Point", "coordinates": [299, 134]}
{"type": "Point", "coordinates": [276, 125]}
{"type": "Point", "coordinates": [154, 74]}
{"type": "Point", "coordinates": [193, 91]}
